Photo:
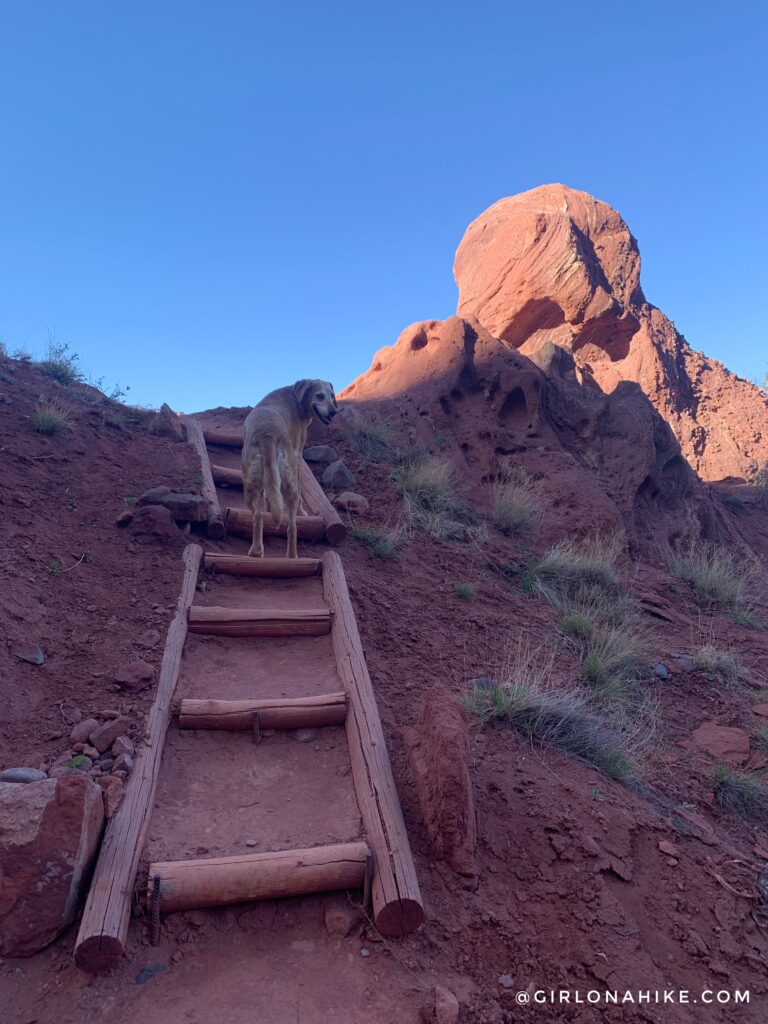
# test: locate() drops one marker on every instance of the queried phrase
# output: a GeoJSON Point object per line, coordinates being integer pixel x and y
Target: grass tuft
{"type": "Point", "coordinates": [369, 437]}
{"type": "Point", "coordinates": [572, 564]}
{"type": "Point", "coordinates": [465, 591]}
{"type": "Point", "coordinates": [382, 543]}
{"type": "Point", "coordinates": [722, 664]}
{"type": "Point", "coordinates": [50, 418]}
{"type": "Point", "coordinates": [740, 793]}
{"type": "Point", "coordinates": [430, 489]}
{"type": "Point", "coordinates": [515, 501]}
{"type": "Point", "coordinates": [720, 579]}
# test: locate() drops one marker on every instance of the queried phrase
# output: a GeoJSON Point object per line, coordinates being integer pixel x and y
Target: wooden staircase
{"type": "Point", "coordinates": [285, 612]}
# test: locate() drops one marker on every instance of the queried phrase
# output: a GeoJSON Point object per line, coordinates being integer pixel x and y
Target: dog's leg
{"type": "Point", "coordinates": [292, 500]}
{"type": "Point", "coordinates": [253, 492]}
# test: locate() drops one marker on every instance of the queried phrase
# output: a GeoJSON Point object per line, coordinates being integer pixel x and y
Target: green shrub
{"type": "Point", "coordinates": [382, 543]}
{"type": "Point", "coordinates": [464, 591]}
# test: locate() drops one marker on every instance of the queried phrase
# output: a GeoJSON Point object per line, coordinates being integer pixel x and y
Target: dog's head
{"type": "Point", "coordinates": [316, 398]}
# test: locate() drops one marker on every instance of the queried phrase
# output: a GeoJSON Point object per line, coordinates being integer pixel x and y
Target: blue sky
{"type": "Point", "coordinates": [208, 200]}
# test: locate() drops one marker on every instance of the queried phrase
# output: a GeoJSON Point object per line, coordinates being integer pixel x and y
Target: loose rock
{"type": "Point", "coordinates": [49, 834]}
{"type": "Point", "coordinates": [446, 1006]}
{"type": "Point", "coordinates": [723, 742]}
{"type": "Point", "coordinates": [337, 477]}
{"type": "Point", "coordinates": [22, 775]}
{"type": "Point", "coordinates": [135, 675]}
{"type": "Point", "coordinates": [320, 453]}
{"type": "Point", "coordinates": [123, 745]}
{"type": "Point", "coordinates": [348, 501]}
{"type": "Point", "coordinates": [112, 792]}
{"type": "Point", "coordinates": [105, 735]}
{"type": "Point", "coordinates": [124, 763]}
{"type": "Point", "coordinates": [661, 671]}
{"type": "Point", "coordinates": [31, 653]}
{"type": "Point", "coordinates": [340, 921]}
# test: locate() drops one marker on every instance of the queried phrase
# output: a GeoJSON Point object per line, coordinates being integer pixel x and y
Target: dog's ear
{"type": "Point", "coordinates": [301, 390]}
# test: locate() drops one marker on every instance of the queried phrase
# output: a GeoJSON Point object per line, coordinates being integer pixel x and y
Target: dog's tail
{"type": "Point", "coordinates": [271, 478]}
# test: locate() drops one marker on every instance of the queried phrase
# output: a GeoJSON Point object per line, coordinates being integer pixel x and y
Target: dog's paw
{"type": "Point", "coordinates": [255, 552]}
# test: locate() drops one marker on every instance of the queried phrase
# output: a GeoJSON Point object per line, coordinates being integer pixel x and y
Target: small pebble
{"type": "Point", "coordinates": [661, 671]}
{"type": "Point", "coordinates": [251, 842]}
{"type": "Point", "coordinates": [365, 952]}
{"type": "Point", "coordinates": [506, 981]}
{"type": "Point", "coordinates": [305, 735]}
{"type": "Point", "coordinates": [479, 738]}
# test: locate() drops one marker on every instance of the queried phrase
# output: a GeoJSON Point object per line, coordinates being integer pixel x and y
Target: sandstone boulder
{"type": "Point", "coordinates": [337, 477]}
{"type": "Point", "coordinates": [154, 523]}
{"type": "Point", "coordinates": [135, 675]}
{"type": "Point", "coordinates": [349, 501]}
{"type": "Point", "coordinates": [723, 742]}
{"type": "Point", "coordinates": [438, 753]}
{"type": "Point", "coordinates": [49, 835]}
{"type": "Point", "coordinates": [555, 265]}
{"type": "Point", "coordinates": [320, 453]}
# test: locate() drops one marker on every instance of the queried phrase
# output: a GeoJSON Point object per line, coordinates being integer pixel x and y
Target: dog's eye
{"type": "Point", "coordinates": [320, 396]}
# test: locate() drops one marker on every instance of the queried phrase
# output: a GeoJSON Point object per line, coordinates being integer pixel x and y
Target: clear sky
{"type": "Point", "coordinates": [209, 200]}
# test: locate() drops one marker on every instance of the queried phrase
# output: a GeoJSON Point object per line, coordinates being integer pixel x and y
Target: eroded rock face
{"type": "Point", "coordinates": [49, 835]}
{"type": "Point", "coordinates": [438, 752]}
{"type": "Point", "coordinates": [607, 461]}
{"type": "Point", "coordinates": [554, 265]}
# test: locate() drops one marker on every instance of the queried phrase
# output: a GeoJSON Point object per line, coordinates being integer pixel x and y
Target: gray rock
{"type": "Point", "coordinates": [337, 476]}
{"type": "Point", "coordinates": [506, 981]}
{"type": "Point", "coordinates": [192, 507]}
{"type": "Point", "coordinates": [685, 663]}
{"type": "Point", "coordinates": [482, 683]}
{"type": "Point", "coordinates": [155, 495]}
{"type": "Point", "coordinates": [124, 763]}
{"type": "Point", "coordinates": [22, 775]}
{"type": "Point", "coordinates": [30, 653]}
{"type": "Point", "coordinates": [123, 745]}
{"type": "Point", "coordinates": [320, 453]}
{"type": "Point", "coordinates": [661, 671]}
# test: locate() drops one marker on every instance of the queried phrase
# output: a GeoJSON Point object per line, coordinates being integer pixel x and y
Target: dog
{"type": "Point", "coordinates": [275, 434]}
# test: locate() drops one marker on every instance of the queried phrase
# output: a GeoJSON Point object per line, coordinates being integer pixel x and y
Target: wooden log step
{"type": "Point", "coordinates": [240, 524]}
{"type": "Point", "coordinates": [224, 438]}
{"type": "Point", "coordinates": [225, 477]}
{"type": "Point", "coordinates": [259, 621]}
{"type": "Point", "coordinates": [274, 713]}
{"type": "Point", "coordinates": [192, 884]}
{"type": "Point", "coordinates": [279, 568]}
{"type": "Point", "coordinates": [312, 494]}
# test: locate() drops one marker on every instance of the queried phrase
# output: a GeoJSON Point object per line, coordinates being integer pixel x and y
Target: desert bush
{"type": "Point", "coordinates": [722, 664]}
{"type": "Point", "coordinates": [369, 437]}
{"type": "Point", "coordinates": [382, 543]}
{"type": "Point", "coordinates": [465, 591]}
{"type": "Point", "coordinates": [515, 500]}
{"type": "Point", "coordinates": [61, 364]}
{"type": "Point", "coordinates": [50, 418]}
{"type": "Point", "coordinates": [720, 579]}
{"type": "Point", "coordinates": [740, 793]}
{"type": "Point", "coordinates": [759, 479]}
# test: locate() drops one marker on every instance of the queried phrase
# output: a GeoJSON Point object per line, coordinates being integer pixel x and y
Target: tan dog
{"type": "Point", "coordinates": [275, 434]}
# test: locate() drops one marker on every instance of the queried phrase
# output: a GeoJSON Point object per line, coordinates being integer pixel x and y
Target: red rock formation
{"type": "Point", "coordinates": [607, 461]}
{"type": "Point", "coordinates": [556, 265]}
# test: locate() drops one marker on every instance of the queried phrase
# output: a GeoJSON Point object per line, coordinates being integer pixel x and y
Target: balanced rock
{"type": "Point", "coordinates": [49, 834]}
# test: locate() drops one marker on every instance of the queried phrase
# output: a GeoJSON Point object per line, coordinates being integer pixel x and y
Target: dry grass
{"type": "Point", "coordinates": [722, 664]}
{"type": "Point", "coordinates": [572, 564]}
{"type": "Point", "coordinates": [51, 418]}
{"type": "Point", "coordinates": [740, 793]}
{"type": "Point", "coordinates": [614, 660]}
{"type": "Point", "coordinates": [721, 579]}
{"type": "Point", "coordinates": [516, 500]}
{"type": "Point", "coordinates": [430, 488]}
{"type": "Point", "coordinates": [525, 698]}
{"type": "Point", "coordinates": [61, 364]}
{"type": "Point", "coordinates": [370, 438]}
